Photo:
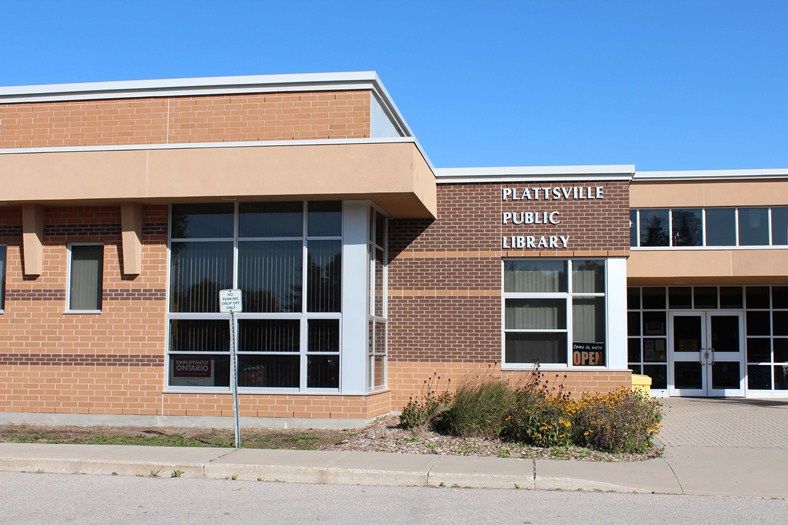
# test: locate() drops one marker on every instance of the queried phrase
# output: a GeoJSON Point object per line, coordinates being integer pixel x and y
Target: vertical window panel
{"type": "Point", "coordinates": [720, 227]}
{"type": "Point", "coordinates": [269, 274]}
{"type": "Point", "coordinates": [86, 278]}
{"type": "Point", "coordinates": [198, 270]}
{"type": "Point", "coordinates": [687, 227]}
{"type": "Point", "coordinates": [654, 228]}
{"type": "Point", "coordinates": [324, 272]}
{"type": "Point", "coordinates": [633, 228]}
{"type": "Point", "coordinates": [753, 227]}
{"type": "Point", "coordinates": [780, 226]}
{"type": "Point", "coordinates": [322, 371]}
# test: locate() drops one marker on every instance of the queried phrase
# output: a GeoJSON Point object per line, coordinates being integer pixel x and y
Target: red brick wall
{"type": "Point", "coordinates": [445, 278]}
{"type": "Point", "coordinates": [210, 118]}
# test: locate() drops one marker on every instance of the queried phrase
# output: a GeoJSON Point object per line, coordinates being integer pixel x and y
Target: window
{"type": "Point", "coordinates": [709, 227]}
{"type": "Point", "coordinates": [654, 228]}
{"type": "Point", "coordinates": [85, 277]}
{"type": "Point", "coordinates": [753, 227]}
{"type": "Point", "coordinates": [378, 304]}
{"type": "Point", "coordinates": [550, 303]}
{"type": "Point", "coordinates": [721, 227]}
{"type": "Point", "coordinates": [286, 257]}
{"type": "Point", "coordinates": [766, 325]}
{"type": "Point", "coordinates": [2, 276]}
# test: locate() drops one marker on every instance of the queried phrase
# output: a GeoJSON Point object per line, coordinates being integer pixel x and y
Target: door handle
{"type": "Point", "coordinates": [710, 354]}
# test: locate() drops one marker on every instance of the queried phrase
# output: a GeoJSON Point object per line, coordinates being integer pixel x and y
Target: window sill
{"type": "Point", "coordinates": [262, 391]}
{"type": "Point", "coordinates": [82, 312]}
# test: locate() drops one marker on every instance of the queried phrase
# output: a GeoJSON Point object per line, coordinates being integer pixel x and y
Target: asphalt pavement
{"type": "Point", "coordinates": [67, 498]}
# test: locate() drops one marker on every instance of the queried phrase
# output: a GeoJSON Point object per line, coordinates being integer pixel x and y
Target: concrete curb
{"type": "Point", "coordinates": [290, 466]}
{"type": "Point", "coordinates": [681, 472]}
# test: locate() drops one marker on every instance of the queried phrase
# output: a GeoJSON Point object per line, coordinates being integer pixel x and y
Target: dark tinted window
{"type": "Point", "coordinates": [271, 219]}
{"type": "Point", "coordinates": [633, 228]}
{"type": "Point", "coordinates": [757, 297]}
{"type": "Point", "coordinates": [753, 227]}
{"type": "Point", "coordinates": [654, 298]}
{"type": "Point", "coordinates": [198, 270]}
{"type": "Point", "coordinates": [654, 228]}
{"type": "Point", "coordinates": [731, 297]}
{"type": "Point", "coordinates": [325, 219]}
{"type": "Point", "coordinates": [780, 226]}
{"type": "Point", "coordinates": [687, 227]}
{"type": "Point", "coordinates": [680, 297]}
{"type": "Point", "coordinates": [705, 297]}
{"type": "Point", "coordinates": [720, 227]}
{"type": "Point", "coordinates": [202, 220]}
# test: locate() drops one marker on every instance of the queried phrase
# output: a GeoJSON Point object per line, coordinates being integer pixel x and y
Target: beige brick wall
{"type": "Point", "coordinates": [209, 118]}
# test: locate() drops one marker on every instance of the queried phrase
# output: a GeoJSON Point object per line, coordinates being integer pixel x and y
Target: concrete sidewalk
{"type": "Point", "coordinates": [762, 473]}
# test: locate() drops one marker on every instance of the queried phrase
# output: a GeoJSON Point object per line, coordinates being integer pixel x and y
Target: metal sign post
{"type": "Point", "coordinates": [230, 302]}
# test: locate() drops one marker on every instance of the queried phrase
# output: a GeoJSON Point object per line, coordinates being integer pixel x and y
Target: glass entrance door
{"type": "Point", "coordinates": [706, 351]}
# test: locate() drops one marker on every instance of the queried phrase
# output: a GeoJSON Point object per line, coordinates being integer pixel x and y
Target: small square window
{"type": "Point", "coordinates": [85, 277]}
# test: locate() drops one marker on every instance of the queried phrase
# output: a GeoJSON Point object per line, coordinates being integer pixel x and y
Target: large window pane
{"type": "Point", "coordinates": [654, 228]}
{"type": "Point", "coordinates": [325, 219]}
{"type": "Point", "coordinates": [269, 335]}
{"type": "Point", "coordinates": [199, 335]}
{"type": "Point", "coordinates": [759, 350]}
{"type": "Point", "coordinates": [759, 377]}
{"type": "Point", "coordinates": [200, 370]}
{"type": "Point", "coordinates": [534, 276]}
{"type": "Point", "coordinates": [198, 270]}
{"type": "Point", "coordinates": [753, 227]}
{"type": "Point", "coordinates": [323, 335]}
{"type": "Point", "coordinates": [633, 298]}
{"type": "Point", "coordinates": [269, 274]}
{"type": "Point", "coordinates": [687, 227]}
{"type": "Point", "coordinates": [527, 348]}
{"type": "Point", "coordinates": [269, 371]}
{"type": "Point", "coordinates": [588, 320]}
{"type": "Point", "coordinates": [271, 219]}
{"type": "Point", "coordinates": [588, 276]}
{"type": "Point", "coordinates": [86, 277]}
{"type": "Point", "coordinates": [780, 226]}
{"type": "Point", "coordinates": [535, 314]}
{"type": "Point", "coordinates": [322, 371]}
{"type": "Point", "coordinates": [202, 220]}
{"type": "Point", "coordinates": [720, 227]}
{"type": "Point", "coordinates": [633, 350]}
{"type": "Point", "coordinates": [324, 273]}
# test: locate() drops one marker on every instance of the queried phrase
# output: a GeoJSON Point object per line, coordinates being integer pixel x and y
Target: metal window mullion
{"type": "Point", "coordinates": [670, 226]}
{"type": "Point", "coordinates": [736, 224]}
{"type": "Point", "coordinates": [769, 223]}
{"type": "Point", "coordinates": [703, 226]}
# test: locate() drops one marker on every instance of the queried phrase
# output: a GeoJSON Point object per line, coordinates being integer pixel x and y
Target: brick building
{"type": "Point", "coordinates": [126, 206]}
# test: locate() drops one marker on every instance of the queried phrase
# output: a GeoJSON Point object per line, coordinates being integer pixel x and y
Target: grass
{"type": "Point", "coordinates": [173, 437]}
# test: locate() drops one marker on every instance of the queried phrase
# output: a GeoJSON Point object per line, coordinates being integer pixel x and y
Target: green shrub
{"type": "Point", "coordinates": [621, 421]}
{"type": "Point", "coordinates": [538, 419]}
{"type": "Point", "coordinates": [478, 409]}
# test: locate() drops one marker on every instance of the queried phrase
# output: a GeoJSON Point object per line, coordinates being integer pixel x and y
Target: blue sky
{"type": "Point", "coordinates": [664, 85]}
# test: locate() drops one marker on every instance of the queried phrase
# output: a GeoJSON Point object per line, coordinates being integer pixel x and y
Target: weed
{"type": "Point", "coordinates": [176, 474]}
{"type": "Point", "coordinates": [154, 473]}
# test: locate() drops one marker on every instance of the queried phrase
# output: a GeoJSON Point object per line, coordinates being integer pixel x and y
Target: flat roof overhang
{"type": "Point", "coordinates": [393, 174]}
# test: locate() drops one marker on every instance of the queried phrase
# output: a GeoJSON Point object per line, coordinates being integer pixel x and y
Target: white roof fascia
{"type": "Point", "coordinates": [535, 173]}
{"type": "Point", "coordinates": [699, 175]}
{"type": "Point", "coordinates": [353, 80]}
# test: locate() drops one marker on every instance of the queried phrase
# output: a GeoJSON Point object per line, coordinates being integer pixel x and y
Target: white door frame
{"type": "Point", "coordinates": [705, 354]}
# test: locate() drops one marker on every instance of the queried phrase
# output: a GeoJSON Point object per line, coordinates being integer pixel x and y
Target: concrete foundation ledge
{"type": "Point", "coordinates": [90, 420]}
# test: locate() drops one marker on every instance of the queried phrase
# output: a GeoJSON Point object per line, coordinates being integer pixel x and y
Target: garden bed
{"type": "Point", "coordinates": [384, 435]}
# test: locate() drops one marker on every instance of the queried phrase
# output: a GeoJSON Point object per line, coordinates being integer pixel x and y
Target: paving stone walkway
{"type": "Point", "coordinates": [698, 422]}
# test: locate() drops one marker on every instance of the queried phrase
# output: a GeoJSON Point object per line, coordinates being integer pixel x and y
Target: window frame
{"type": "Point", "coordinates": [568, 297]}
{"type": "Point", "coordinates": [69, 254]}
{"type": "Point", "coordinates": [372, 318]}
{"type": "Point", "coordinates": [704, 245]}
{"type": "Point", "coordinates": [4, 257]}
{"type": "Point", "coordinates": [303, 315]}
